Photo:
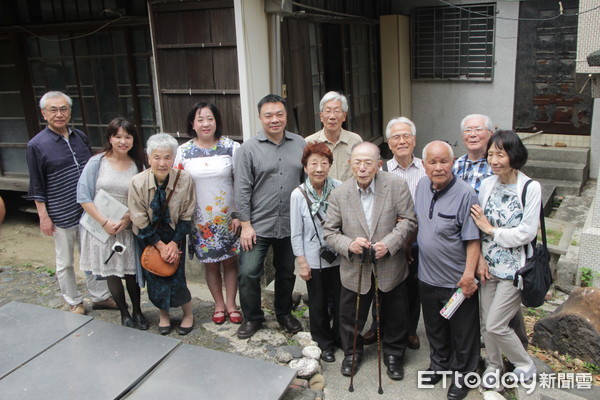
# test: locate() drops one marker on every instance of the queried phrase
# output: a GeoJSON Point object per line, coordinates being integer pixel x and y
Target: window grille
{"type": "Point", "coordinates": [453, 43]}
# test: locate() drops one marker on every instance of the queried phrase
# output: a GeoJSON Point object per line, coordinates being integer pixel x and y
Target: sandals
{"type": "Point", "coordinates": [218, 317]}
{"type": "Point", "coordinates": [235, 317]}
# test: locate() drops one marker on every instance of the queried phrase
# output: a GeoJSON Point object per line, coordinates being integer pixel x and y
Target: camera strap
{"type": "Point", "coordinates": [309, 203]}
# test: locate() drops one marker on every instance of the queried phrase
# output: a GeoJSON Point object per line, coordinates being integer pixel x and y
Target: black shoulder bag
{"type": "Point", "coordinates": [535, 277]}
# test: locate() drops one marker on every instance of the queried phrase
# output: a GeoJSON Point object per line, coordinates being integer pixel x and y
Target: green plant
{"type": "Point", "coordinates": [536, 312]}
{"type": "Point", "coordinates": [586, 276]}
{"type": "Point", "coordinates": [591, 368]}
{"type": "Point", "coordinates": [48, 270]}
{"type": "Point", "coordinates": [292, 342]}
{"type": "Point", "coordinates": [574, 242]}
{"type": "Point", "coordinates": [299, 312]}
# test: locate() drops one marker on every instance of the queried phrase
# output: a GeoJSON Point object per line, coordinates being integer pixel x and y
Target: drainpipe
{"type": "Point", "coordinates": [275, 55]}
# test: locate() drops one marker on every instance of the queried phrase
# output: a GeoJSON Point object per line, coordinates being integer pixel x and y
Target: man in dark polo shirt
{"type": "Point", "coordinates": [55, 157]}
{"type": "Point", "coordinates": [267, 170]}
{"type": "Point", "coordinates": [449, 249]}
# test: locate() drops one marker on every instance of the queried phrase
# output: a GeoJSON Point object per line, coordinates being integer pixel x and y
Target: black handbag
{"type": "Point", "coordinates": [535, 277]}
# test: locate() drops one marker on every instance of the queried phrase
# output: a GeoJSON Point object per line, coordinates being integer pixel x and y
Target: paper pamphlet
{"type": "Point", "coordinates": [452, 305]}
{"type": "Point", "coordinates": [107, 206]}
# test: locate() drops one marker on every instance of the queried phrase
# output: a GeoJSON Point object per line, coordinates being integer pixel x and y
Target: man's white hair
{"type": "Point", "coordinates": [336, 96]}
{"type": "Point", "coordinates": [397, 120]}
{"type": "Point", "coordinates": [450, 151]}
{"type": "Point", "coordinates": [52, 95]}
{"type": "Point", "coordinates": [487, 121]}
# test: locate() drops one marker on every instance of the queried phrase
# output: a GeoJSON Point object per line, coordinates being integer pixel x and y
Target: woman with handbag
{"type": "Point", "coordinates": [509, 221]}
{"type": "Point", "coordinates": [161, 204]}
{"type": "Point", "coordinates": [208, 157]}
{"type": "Point", "coordinates": [111, 171]}
{"type": "Point", "coordinates": [319, 265]}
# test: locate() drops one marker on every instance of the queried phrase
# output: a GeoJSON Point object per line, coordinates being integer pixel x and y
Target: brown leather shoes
{"type": "Point", "coordinates": [414, 342]}
{"type": "Point", "coordinates": [106, 304]}
{"type": "Point", "coordinates": [78, 309]}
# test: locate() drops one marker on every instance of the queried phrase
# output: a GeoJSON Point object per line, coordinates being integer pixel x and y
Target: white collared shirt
{"type": "Point", "coordinates": [367, 200]}
{"type": "Point", "coordinates": [411, 174]}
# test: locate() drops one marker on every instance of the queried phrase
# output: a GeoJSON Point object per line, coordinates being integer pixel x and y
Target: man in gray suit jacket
{"type": "Point", "coordinates": [372, 209]}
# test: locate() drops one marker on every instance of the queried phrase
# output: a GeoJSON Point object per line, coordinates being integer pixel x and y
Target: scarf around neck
{"type": "Point", "coordinates": [319, 201]}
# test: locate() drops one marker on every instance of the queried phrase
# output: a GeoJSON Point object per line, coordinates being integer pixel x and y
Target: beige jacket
{"type": "Point", "coordinates": [142, 190]}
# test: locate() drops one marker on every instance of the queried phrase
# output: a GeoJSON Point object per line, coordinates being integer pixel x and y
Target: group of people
{"type": "Point", "coordinates": [430, 226]}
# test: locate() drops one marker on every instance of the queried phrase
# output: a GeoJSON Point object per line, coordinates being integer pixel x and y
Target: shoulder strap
{"type": "Point", "coordinates": [542, 220]}
{"type": "Point", "coordinates": [384, 167]}
{"type": "Point", "coordinates": [310, 204]}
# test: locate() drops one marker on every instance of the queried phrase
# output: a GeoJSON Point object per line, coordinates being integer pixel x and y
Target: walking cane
{"type": "Point", "coordinates": [374, 262]}
{"type": "Point", "coordinates": [363, 258]}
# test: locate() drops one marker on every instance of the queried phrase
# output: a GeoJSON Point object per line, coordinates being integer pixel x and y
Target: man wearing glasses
{"type": "Point", "coordinates": [55, 157]}
{"type": "Point", "coordinates": [334, 109]}
{"type": "Point", "coordinates": [477, 129]}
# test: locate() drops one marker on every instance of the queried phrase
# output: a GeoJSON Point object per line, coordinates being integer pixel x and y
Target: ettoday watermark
{"type": "Point", "coordinates": [495, 380]}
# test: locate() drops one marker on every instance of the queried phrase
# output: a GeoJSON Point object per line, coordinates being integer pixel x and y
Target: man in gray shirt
{"type": "Point", "coordinates": [267, 169]}
{"type": "Point", "coordinates": [449, 249]}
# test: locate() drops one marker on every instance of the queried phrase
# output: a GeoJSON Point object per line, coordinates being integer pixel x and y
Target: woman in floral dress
{"type": "Point", "coordinates": [209, 159]}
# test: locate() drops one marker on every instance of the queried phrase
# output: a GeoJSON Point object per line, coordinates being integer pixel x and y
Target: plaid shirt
{"type": "Point", "coordinates": [472, 172]}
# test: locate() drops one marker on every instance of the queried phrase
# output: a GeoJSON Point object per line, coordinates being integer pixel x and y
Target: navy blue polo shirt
{"type": "Point", "coordinates": [55, 166]}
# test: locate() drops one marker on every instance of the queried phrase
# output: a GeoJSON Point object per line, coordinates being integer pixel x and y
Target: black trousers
{"type": "Point", "coordinates": [454, 343]}
{"type": "Point", "coordinates": [323, 284]}
{"type": "Point", "coordinates": [413, 299]}
{"type": "Point", "coordinates": [394, 311]}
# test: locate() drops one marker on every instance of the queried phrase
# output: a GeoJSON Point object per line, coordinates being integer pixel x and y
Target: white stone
{"type": "Point", "coordinates": [302, 335]}
{"type": "Point", "coordinates": [311, 352]}
{"type": "Point", "coordinates": [306, 342]}
{"type": "Point", "coordinates": [306, 367]}
{"type": "Point", "coordinates": [491, 395]}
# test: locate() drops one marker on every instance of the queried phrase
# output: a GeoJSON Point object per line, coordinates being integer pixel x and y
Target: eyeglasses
{"type": "Point", "coordinates": [327, 112]}
{"type": "Point", "coordinates": [54, 110]}
{"type": "Point", "coordinates": [405, 136]}
{"type": "Point", "coordinates": [478, 130]}
{"type": "Point", "coordinates": [367, 163]}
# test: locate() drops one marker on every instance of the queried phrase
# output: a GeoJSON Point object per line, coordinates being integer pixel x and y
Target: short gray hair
{"type": "Point", "coordinates": [434, 142]}
{"type": "Point", "coordinates": [488, 122]}
{"type": "Point", "coordinates": [161, 141]}
{"type": "Point", "coordinates": [398, 120]}
{"type": "Point", "coordinates": [335, 96]}
{"type": "Point", "coordinates": [52, 95]}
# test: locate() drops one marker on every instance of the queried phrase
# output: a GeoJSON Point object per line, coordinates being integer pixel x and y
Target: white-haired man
{"type": "Point", "coordinates": [334, 109]}
{"type": "Point", "coordinates": [55, 157]}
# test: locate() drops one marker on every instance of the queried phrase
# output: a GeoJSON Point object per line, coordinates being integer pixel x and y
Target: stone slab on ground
{"type": "Point", "coordinates": [192, 372]}
{"type": "Point", "coordinates": [27, 330]}
{"type": "Point", "coordinates": [98, 361]}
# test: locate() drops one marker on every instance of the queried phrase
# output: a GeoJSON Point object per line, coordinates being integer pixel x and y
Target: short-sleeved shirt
{"type": "Point", "coordinates": [472, 172]}
{"type": "Point", "coordinates": [265, 174]}
{"type": "Point", "coordinates": [55, 165]}
{"type": "Point", "coordinates": [340, 169]}
{"type": "Point", "coordinates": [445, 225]}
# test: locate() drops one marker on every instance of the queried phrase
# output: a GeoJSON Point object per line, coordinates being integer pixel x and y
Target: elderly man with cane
{"type": "Point", "coordinates": [374, 210]}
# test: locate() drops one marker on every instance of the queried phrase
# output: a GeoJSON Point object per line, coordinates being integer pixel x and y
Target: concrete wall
{"type": "Point", "coordinates": [588, 36]}
{"type": "Point", "coordinates": [438, 107]}
{"type": "Point", "coordinates": [252, 37]}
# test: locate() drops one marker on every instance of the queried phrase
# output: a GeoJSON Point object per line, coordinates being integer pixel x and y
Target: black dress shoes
{"type": "Point", "coordinates": [165, 330]}
{"type": "Point", "coordinates": [140, 322]}
{"type": "Point", "coordinates": [328, 356]}
{"type": "Point", "coordinates": [289, 323]}
{"type": "Point", "coordinates": [395, 367]}
{"type": "Point", "coordinates": [248, 328]}
{"type": "Point", "coordinates": [430, 377]}
{"type": "Point", "coordinates": [347, 364]}
{"type": "Point", "coordinates": [456, 393]}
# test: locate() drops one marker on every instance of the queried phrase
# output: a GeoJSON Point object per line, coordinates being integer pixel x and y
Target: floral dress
{"type": "Point", "coordinates": [503, 210]}
{"type": "Point", "coordinates": [213, 239]}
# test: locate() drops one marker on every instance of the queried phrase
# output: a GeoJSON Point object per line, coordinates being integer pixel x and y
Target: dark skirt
{"type": "Point", "coordinates": [170, 291]}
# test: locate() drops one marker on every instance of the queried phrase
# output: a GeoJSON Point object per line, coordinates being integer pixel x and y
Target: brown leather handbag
{"type": "Point", "coordinates": [151, 259]}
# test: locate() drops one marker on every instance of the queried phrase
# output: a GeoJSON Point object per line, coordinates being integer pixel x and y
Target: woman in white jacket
{"type": "Point", "coordinates": [508, 228]}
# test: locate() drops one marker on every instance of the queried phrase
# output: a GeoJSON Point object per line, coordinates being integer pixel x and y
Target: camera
{"type": "Point", "coordinates": [119, 248]}
{"type": "Point", "coordinates": [327, 255]}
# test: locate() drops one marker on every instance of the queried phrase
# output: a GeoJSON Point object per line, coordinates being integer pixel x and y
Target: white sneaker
{"type": "Point", "coordinates": [525, 374]}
